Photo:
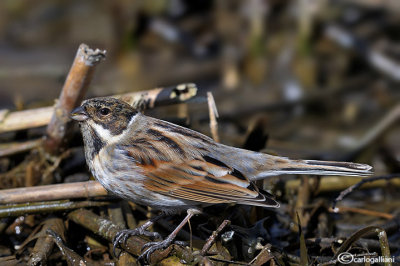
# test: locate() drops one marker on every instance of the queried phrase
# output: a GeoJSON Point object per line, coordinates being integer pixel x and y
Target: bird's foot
{"type": "Point", "coordinates": [153, 246]}
{"type": "Point", "coordinates": [122, 236]}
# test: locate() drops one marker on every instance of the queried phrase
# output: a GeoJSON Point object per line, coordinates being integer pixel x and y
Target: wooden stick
{"type": "Point", "coordinates": [213, 113]}
{"type": "Point", "coordinates": [11, 121]}
{"type": "Point", "coordinates": [72, 93]}
{"type": "Point", "coordinates": [52, 192]}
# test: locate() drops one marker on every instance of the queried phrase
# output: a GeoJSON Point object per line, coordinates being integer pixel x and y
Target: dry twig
{"type": "Point", "coordinates": [213, 237]}
{"type": "Point", "coordinates": [72, 93]}
{"type": "Point", "coordinates": [213, 113]}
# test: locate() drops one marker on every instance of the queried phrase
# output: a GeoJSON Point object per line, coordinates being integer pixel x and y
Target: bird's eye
{"type": "Point", "coordinates": [104, 111]}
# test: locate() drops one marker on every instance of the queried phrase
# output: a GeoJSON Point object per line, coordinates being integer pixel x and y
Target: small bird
{"type": "Point", "coordinates": [172, 168]}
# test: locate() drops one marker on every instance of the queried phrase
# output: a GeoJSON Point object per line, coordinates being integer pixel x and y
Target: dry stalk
{"type": "Point", "coordinates": [11, 121]}
{"type": "Point", "coordinates": [213, 113]}
{"type": "Point", "coordinates": [60, 191]}
{"type": "Point", "coordinates": [72, 93]}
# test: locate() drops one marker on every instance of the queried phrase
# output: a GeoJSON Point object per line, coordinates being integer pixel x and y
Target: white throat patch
{"type": "Point", "coordinates": [106, 135]}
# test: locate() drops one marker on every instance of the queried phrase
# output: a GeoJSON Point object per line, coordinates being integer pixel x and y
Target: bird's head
{"type": "Point", "coordinates": [106, 116]}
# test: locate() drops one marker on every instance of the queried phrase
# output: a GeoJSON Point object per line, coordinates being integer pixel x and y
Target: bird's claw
{"type": "Point", "coordinates": [122, 236]}
{"type": "Point", "coordinates": [153, 246]}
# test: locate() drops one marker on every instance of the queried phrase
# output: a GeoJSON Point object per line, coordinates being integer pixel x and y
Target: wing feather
{"type": "Point", "coordinates": [199, 178]}
{"type": "Point", "coordinates": [193, 181]}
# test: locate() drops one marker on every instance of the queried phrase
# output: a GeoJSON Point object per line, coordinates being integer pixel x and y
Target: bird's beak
{"type": "Point", "coordinates": [79, 114]}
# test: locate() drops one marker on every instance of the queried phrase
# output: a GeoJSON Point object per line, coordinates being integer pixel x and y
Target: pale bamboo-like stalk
{"type": "Point", "coordinates": [147, 99]}
{"type": "Point", "coordinates": [52, 192]}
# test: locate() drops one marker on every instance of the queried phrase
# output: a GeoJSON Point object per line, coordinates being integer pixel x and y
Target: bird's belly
{"type": "Point", "coordinates": [127, 182]}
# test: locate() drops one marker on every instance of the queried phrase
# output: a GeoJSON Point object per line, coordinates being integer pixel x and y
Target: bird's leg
{"type": "Point", "coordinates": [153, 246]}
{"type": "Point", "coordinates": [124, 234]}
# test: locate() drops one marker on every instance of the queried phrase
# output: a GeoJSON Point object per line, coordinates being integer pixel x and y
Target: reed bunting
{"type": "Point", "coordinates": [172, 168]}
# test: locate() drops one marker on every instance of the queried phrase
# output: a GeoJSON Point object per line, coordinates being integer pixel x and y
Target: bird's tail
{"type": "Point", "coordinates": [257, 165]}
{"type": "Point", "coordinates": [280, 165]}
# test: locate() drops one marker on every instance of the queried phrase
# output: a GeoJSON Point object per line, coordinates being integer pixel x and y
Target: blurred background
{"type": "Point", "coordinates": [314, 77]}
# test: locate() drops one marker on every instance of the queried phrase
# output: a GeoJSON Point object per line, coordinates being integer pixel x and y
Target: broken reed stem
{"type": "Point", "coordinates": [72, 93]}
{"type": "Point", "coordinates": [52, 192]}
{"type": "Point", "coordinates": [160, 96]}
{"type": "Point", "coordinates": [213, 113]}
{"type": "Point", "coordinates": [11, 121]}
{"type": "Point", "coordinates": [108, 230]}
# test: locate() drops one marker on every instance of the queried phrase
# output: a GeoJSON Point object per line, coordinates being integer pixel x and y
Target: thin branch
{"type": "Point", "coordinates": [213, 237]}
{"type": "Point", "coordinates": [72, 93]}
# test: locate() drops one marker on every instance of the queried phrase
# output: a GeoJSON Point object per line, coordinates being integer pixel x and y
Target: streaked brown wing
{"type": "Point", "coordinates": [203, 182]}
